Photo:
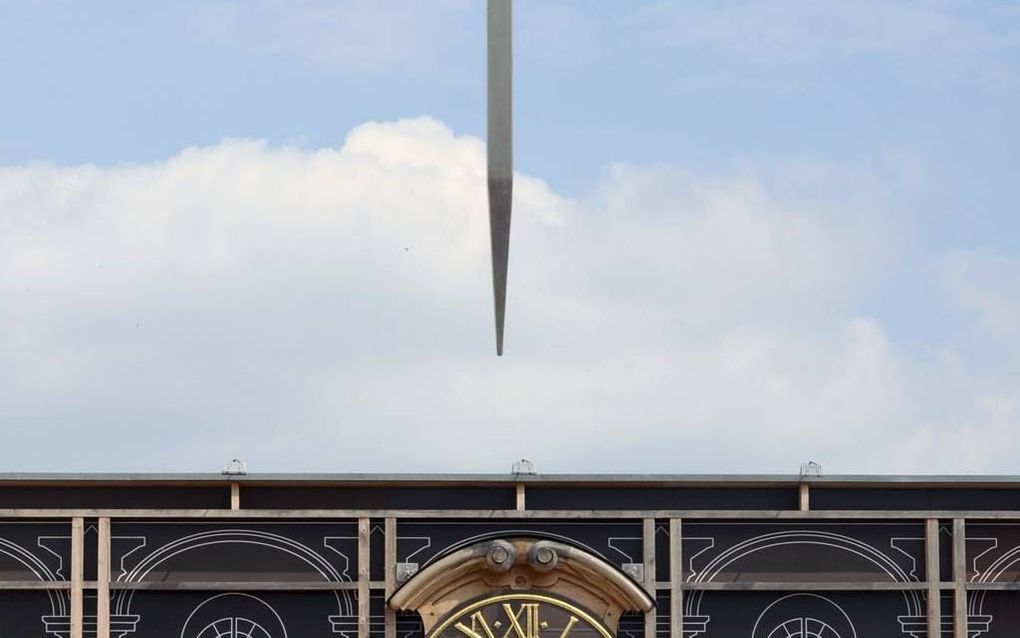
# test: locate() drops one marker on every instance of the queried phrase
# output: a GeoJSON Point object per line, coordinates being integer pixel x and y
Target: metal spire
{"type": "Point", "coordinates": [500, 148]}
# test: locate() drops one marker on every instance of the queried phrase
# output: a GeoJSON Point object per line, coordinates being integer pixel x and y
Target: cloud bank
{"type": "Point", "coordinates": [330, 310]}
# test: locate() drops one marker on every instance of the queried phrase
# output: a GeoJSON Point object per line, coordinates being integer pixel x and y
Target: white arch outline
{"type": "Point", "coordinates": [58, 599]}
{"type": "Point", "coordinates": [912, 599]}
{"type": "Point", "coordinates": [801, 537]}
{"type": "Point", "coordinates": [234, 536]}
{"type": "Point", "coordinates": [775, 602]}
{"type": "Point", "coordinates": [205, 602]}
{"type": "Point", "coordinates": [344, 599]}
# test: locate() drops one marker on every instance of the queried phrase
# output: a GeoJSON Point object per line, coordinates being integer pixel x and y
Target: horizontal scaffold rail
{"type": "Point", "coordinates": [507, 514]}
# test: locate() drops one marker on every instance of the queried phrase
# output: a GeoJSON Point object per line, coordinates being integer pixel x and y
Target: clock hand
{"type": "Point", "coordinates": [500, 153]}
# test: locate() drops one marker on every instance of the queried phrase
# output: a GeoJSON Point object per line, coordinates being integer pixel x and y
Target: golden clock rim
{"type": "Point", "coordinates": [458, 613]}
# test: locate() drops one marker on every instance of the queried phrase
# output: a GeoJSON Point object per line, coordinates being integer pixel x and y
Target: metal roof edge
{"type": "Point", "coordinates": [497, 479]}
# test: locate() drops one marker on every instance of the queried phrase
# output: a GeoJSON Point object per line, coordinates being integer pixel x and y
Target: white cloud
{"type": "Point", "coordinates": [331, 310]}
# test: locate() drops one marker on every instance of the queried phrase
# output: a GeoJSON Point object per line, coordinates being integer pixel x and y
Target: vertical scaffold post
{"type": "Point", "coordinates": [103, 580]}
{"type": "Point", "coordinates": [959, 578]}
{"type": "Point", "coordinates": [77, 576]}
{"type": "Point", "coordinates": [676, 579]}
{"type": "Point", "coordinates": [933, 574]}
{"type": "Point", "coordinates": [648, 543]}
{"type": "Point", "coordinates": [390, 561]}
{"type": "Point", "coordinates": [364, 575]}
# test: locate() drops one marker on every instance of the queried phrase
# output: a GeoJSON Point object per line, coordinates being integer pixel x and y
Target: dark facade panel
{"type": "Point", "coordinates": [996, 614]}
{"type": "Point", "coordinates": [34, 551]}
{"type": "Point", "coordinates": [994, 551]}
{"type": "Point", "coordinates": [198, 614]}
{"type": "Point", "coordinates": [884, 498]}
{"type": "Point", "coordinates": [234, 615]}
{"type": "Point", "coordinates": [844, 552]}
{"type": "Point", "coordinates": [267, 497]}
{"type": "Point", "coordinates": [224, 551]}
{"type": "Point", "coordinates": [33, 613]}
{"type": "Point", "coordinates": [804, 615]}
{"type": "Point", "coordinates": [945, 550]}
{"type": "Point", "coordinates": [674, 498]}
{"type": "Point", "coordinates": [113, 497]}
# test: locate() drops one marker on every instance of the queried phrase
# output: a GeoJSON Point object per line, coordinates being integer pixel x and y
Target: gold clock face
{"type": "Point", "coordinates": [520, 616]}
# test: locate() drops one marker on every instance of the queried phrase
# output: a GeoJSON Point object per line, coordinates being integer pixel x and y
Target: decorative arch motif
{"type": "Point", "coordinates": [234, 615]}
{"type": "Point", "coordinates": [766, 542]}
{"type": "Point", "coordinates": [978, 620]}
{"type": "Point", "coordinates": [342, 621]}
{"type": "Point", "coordinates": [57, 622]}
{"type": "Point", "coordinates": [803, 616]}
{"type": "Point", "coordinates": [260, 538]}
{"type": "Point", "coordinates": [912, 621]}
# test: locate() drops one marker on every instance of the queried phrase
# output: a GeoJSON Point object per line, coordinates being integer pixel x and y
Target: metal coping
{"type": "Point", "coordinates": [565, 480]}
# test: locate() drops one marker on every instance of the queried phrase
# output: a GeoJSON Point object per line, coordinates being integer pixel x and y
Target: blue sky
{"type": "Point", "coordinates": [815, 197]}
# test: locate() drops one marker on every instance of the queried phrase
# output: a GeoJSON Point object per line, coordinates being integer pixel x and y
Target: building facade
{"type": "Point", "coordinates": [508, 556]}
